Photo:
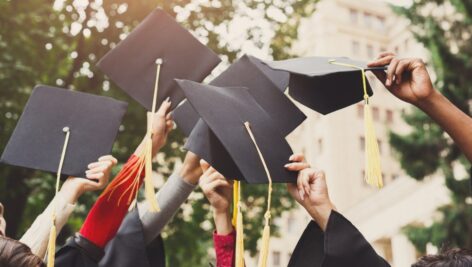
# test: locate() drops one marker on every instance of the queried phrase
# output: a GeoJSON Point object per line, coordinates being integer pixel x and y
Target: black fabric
{"type": "Point", "coordinates": [128, 248]}
{"type": "Point", "coordinates": [341, 245]}
{"type": "Point", "coordinates": [132, 63]}
{"type": "Point", "coordinates": [225, 110]}
{"type": "Point", "coordinates": [78, 252]}
{"type": "Point", "coordinates": [265, 84]}
{"type": "Point", "coordinates": [322, 86]}
{"type": "Point", "coordinates": [38, 138]}
{"type": "Point", "coordinates": [204, 142]}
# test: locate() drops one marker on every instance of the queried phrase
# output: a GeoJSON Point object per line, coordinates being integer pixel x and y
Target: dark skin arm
{"type": "Point", "coordinates": [408, 80]}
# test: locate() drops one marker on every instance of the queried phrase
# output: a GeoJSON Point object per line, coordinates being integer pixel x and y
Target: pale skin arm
{"type": "Point", "coordinates": [408, 79]}
{"type": "Point", "coordinates": [219, 192]}
{"type": "Point", "coordinates": [311, 191]}
{"type": "Point", "coordinates": [162, 125]}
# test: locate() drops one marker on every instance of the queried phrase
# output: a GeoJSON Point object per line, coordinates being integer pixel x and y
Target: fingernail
{"type": "Point", "coordinates": [167, 99]}
{"type": "Point", "coordinates": [287, 165]}
{"type": "Point", "coordinates": [388, 82]}
{"type": "Point", "coordinates": [291, 157]}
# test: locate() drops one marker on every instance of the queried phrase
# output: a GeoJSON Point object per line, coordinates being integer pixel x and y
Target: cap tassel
{"type": "Point", "coordinates": [373, 168]}
{"type": "Point", "coordinates": [264, 251]}
{"type": "Point", "coordinates": [372, 154]}
{"type": "Point", "coordinates": [53, 231]}
{"type": "Point", "coordinates": [144, 161]}
{"type": "Point", "coordinates": [238, 222]}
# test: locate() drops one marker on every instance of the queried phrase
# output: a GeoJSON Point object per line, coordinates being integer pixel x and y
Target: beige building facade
{"type": "Point", "coordinates": [335, 142]}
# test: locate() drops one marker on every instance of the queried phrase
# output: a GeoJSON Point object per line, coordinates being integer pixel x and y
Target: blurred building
{"type": "Point", "coordinates": [335, 143]}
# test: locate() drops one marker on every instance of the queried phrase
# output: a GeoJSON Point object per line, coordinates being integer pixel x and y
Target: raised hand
{"type": "Point", "coordinates": [97, 177]}
{"type": "Point", "coordinates": [407, 78]}
{"type": "Point", "coordinates": [311, 190]}
{"type": "Point", "coordinates": [219, 192]}
{"type": "Point", "coordinates": [162, 125]}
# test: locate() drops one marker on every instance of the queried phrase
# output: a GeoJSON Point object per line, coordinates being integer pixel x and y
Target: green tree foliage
{"type": "Point", "coordinates": [444, 27]}
{"type": "Point", "coordinates": [58, 42]}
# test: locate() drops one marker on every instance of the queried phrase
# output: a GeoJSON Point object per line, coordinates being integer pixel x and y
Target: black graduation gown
{"type": "Point", "coordinates": [341, 245]}
{"type": "Point", "coordinates": [127, 249]}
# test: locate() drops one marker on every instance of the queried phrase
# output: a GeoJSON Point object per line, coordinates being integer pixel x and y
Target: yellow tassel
{"type": "Point", "coordinates": [373, 169]}
{"type": "Point", "coordinates": [264, 252]}
{"type": "Point", "coordinates": [52, 246]}
{"type": "Point", "coordinates": [239, 228]}
{"type": "Point", "coordinates": [372, 154]}
{"type": "Point", "coordinates": [235, 202]}
{"type": "Point", "coordinates": [149, 191]}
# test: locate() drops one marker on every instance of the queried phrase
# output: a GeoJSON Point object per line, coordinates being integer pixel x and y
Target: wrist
{"type": "Point", "coordinates": [223, 223]}
{"type": "Point", "coordinates": [190, 173]}
{"type": "Point", "coordinates": [430, 102]}
{"type": "Point", "coordinates": [321, 213]}
{"type": "Point", "coordinates": [71, 191]}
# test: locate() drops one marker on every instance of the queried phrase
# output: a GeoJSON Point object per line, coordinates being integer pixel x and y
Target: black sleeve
{"type": "Point", "coordinates": [340, 245]}
{"type": "Point", "coordinates": [78, 252]}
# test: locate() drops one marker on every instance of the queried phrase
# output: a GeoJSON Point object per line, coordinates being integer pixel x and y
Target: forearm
{"type": "Point", "coordinates": [170, 197]}
{"type": "Point", "coordinates": [223, 223]}
{"type": "Point", "coordinates": [455, 122]}
{"type": "Point", "coordinates": [321, 214]}
{"type": "Point", "coordinates": [36, 237]}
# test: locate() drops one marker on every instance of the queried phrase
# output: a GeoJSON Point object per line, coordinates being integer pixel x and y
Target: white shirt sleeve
{"type": "Point", "coordinates": [37, 235]}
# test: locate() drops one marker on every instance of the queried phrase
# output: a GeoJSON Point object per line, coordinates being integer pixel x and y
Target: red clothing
{"type": "Point", "coordinates": [108, 212]}
{"type": "Point", "coordinates": [225, 246]}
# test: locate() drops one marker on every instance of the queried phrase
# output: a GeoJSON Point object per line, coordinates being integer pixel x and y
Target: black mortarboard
{"type": "Point", "coordinates": [324, 84]}
{"type": "Point", "coordinates": [38, 138]}
{"type": "Point", "coordinates": [327, 84]}
{"type": "Point", "coordinates": [225, 110]}
{"type": "Point", "coordinates": [159, 38]}
{"type": "Point", "coordinates": [265, 84]}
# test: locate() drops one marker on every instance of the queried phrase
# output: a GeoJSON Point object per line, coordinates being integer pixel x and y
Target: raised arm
{"type": "Point", "coordinates": [408, 79]}
{"type": "Point", "coordinates": [108, 212]}
{"type": "Point", "coordinates": [170, 197]}
{"type": "Point", "coordinates": [36, 237]}
{"type": "Point", "coordinates": [219, 191]}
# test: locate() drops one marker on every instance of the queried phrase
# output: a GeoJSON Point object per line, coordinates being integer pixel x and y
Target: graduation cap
{"type": "Point", "coordinates": [145, 65]}
{"type": "Point", "coordinates": [156, 52]}
{"type": "Point", "coordinates": [62, 131]}
{"type": "Point", "coordinates": [265, 84]}
{"type": "Point", "coordinates": [248, 133]}
{"type": "Point", "coordinates": [327, 84]}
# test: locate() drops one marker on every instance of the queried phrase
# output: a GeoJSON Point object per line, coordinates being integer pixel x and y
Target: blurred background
{"type": "Point", "coordinates": [426, 203]}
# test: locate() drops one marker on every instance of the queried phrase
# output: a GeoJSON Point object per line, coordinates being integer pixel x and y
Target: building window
{"type": "Point", "coordinates": [291, 223]}
{"type": "Point", "coordinates": [276, 258]}
{"type": "Point", "coordinates": [320, 146]}
{"type": "Point", "coordinates": [362, 143]}
{"type": "Point", "coordinates": [368, 20]}
{"type": "Point", "coordinates": [389, 116]}
{"type": "Point", "coordinates": [370, 51]}
{"type": "Point", "coordinates": [380, 146]}
{"type": "Point", "coordinates": [354, 16]}
{"type": "Point", "coordinates": [381, 23]}
{"type": "Point", "coordinates": [355, 47]}
{"type": "Point", "coordinates": [376, 113]}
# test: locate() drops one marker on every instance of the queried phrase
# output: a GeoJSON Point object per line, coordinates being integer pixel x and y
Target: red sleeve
{"type": "Point", "coordinates": [111, 207]}
{"type": "Point", "coordinates": [225, 249]}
